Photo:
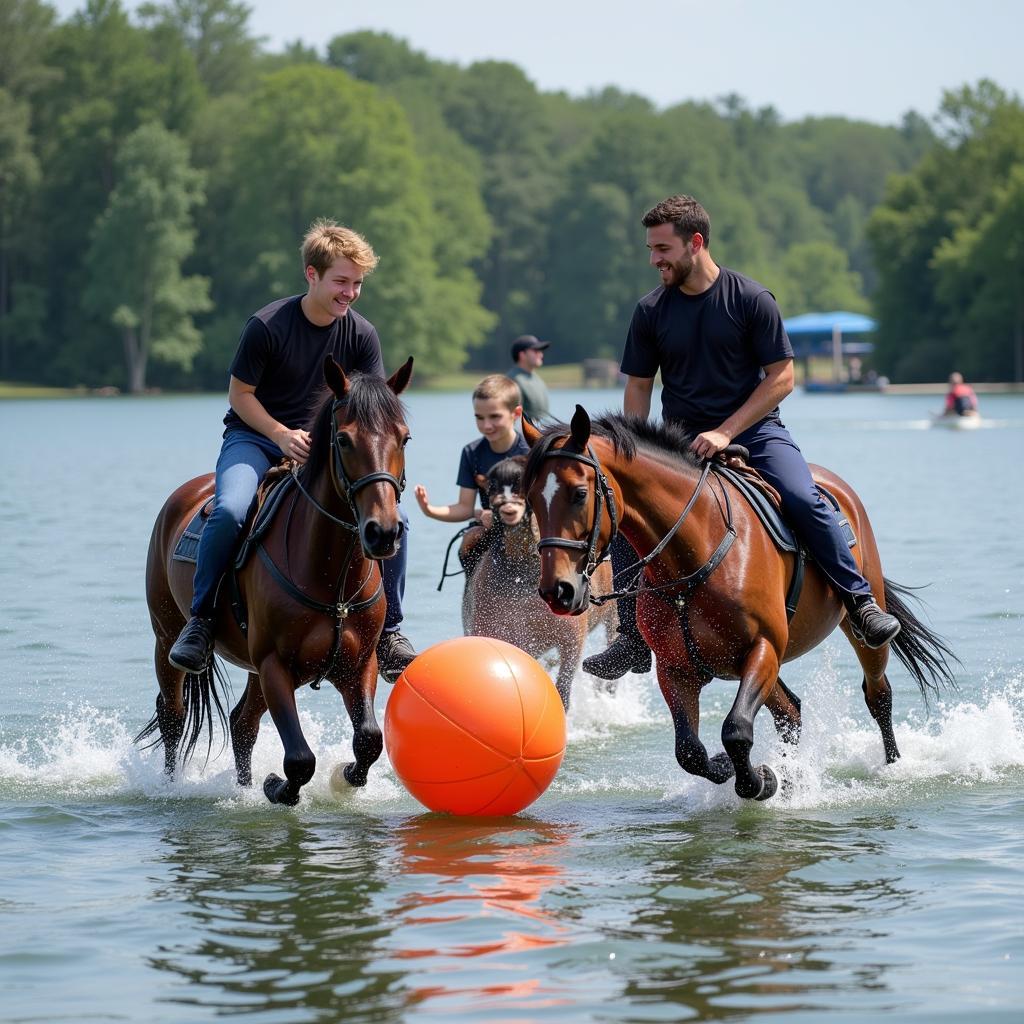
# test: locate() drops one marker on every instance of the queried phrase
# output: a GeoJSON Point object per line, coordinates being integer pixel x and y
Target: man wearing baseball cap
{"type": "Point", "coordinates": [528, 355]}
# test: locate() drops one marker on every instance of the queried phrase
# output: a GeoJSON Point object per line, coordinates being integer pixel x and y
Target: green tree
{"type": "Point", "coordinates": [816, 276]}
{"type": "Point", "coordinates": [954, 188]}
{"type": "Point", "coordinates": [139, 245]}
{"type": "Point", "coordinates": [980, 281]}
{"type": "Point", "coordinates": [216, 33]}
{"type": "Point", "coordinates": [19, 178]}
{"type": "Point", "coordinates": [330, 146]}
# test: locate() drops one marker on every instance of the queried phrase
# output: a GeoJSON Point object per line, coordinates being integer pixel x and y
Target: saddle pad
{"type": "Point", "coordinates": [778, 529]}
{"type": "Point", "coordinates": [187, 547]}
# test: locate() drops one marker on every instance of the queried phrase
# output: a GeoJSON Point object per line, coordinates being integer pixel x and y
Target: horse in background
{"type": "Point", "coordinates": [500, 599]}
{"type": "Point", "coordinates": [312, 602]}
{"type": "Point", "coordinates": [712, 595]}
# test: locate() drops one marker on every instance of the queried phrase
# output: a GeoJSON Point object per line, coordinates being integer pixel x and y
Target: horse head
{"type": "Point", "coordinates": [367, 439]}
{"type": "Point", "coordinates": [575, 510]}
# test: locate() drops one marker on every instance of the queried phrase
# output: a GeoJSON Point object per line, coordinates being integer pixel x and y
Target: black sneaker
{"type": "Point", "coordinates": [394, 652]}
{"type": "Point", "coordinates": [871, 626]}
{"type": "Point", "coordinates": [191, 651]}
{"type": "Point", "coordinates": [626, 654]}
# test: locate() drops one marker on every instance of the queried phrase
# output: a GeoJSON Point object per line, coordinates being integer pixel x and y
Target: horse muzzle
{"type": "Point", "coordinates": [381, 541]}
{"type": "Point", "coordinates": [564, 597]}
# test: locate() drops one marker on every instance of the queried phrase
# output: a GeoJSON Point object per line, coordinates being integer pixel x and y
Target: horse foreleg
{"type": "Point", "coordinates": [876, 688]}
{"type": "Point", "coordinates": [367, 741]}
{"type": "Point", "coordinates": [245, 727]}
{"type": "Point", "coordinates": [170, 705]}
{"type": "Point", "coordinates": [784, 706]}
{"type": "Point", "coordinates": [569, 651]}
{"type": "Point", "coordinates": [760, 670]}
{"type": "Point", "coordinates": [682, 695]}
{"type": "Point", "coordinates": [278, 688]}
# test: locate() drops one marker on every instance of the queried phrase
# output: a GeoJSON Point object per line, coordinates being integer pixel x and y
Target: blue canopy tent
{"type": "Point", "coordinates": [823, 333]}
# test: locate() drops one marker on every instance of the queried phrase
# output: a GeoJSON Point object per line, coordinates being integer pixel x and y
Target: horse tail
{"type": "Point", "coordinates": [924, 654]}
{"type": "Point", "coordinates": [202, 692]}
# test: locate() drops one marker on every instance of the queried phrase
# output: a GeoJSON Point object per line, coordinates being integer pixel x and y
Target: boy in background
{"type": "Point", "coordinates": [496, 409]}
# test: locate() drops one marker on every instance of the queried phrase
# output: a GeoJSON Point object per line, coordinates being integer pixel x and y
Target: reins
{"type": "Point", "coordinates": [638, 585]}
{"type": "Point", "coordinates": [346, 488]}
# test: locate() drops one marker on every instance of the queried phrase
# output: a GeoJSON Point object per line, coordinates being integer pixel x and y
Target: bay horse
{"type": "Point", "coordinates": [313, 597]}
{"type": "Point", "coordinates": [500, 599]}
{"type": "Point", "coordinates": [712, 596]}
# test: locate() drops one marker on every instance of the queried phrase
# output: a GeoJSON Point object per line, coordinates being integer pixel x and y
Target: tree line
{"type": "Point", "coordinates": [158, 169]}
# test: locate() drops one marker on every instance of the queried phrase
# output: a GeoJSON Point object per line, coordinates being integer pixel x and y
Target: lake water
{"type": "Point", "coordinates": [628, 892]}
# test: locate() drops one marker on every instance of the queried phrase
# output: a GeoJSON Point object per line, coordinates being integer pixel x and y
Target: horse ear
{"type": "Point", "coordinates": [399, 380]}
{"type": "Point", "coordinates": [335, 377]}
{"type": "Point", "coordinates": [580, 427]}
{"type": "Point", "coordinates": [531, 435]}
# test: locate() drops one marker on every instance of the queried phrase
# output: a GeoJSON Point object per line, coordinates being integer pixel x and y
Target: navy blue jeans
{"type": "Point", "coordinates": [775, 455]}
{"type": "Point", "coordinates": [245, 456]}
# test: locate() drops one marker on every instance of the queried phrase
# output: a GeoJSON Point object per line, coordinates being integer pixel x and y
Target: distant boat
{"type": "Point", "coordinates": [970, 421]}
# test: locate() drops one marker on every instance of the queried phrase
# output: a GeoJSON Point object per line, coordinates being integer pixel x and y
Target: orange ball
{"type": "Point", "coordinates": [475, 726]}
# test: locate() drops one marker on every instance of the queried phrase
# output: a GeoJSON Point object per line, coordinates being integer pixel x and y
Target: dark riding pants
{"type": "Point", "coordinates": [775, 455]}
{"type": "Point", "coordinates": [245, 456]}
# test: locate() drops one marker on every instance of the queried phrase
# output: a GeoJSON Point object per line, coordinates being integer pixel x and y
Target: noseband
{"type": "Point", "coordinates": [603, 495]}
{"type": "Point", "coordinates": [346, 487]}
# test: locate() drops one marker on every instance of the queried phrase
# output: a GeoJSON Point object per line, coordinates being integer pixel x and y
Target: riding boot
{"type": "Point", "coordinates": [870, 625]}
{"type": "Point", "coordinates": [627, 653]}
{"type": "Point", "coordinates": [394, 652]}
{"type": "Point", "coordinates": [192, 650]}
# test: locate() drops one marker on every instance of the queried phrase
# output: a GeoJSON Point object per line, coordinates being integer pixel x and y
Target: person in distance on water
{"type": "Point", "coordinates": [275, 376]}
{"type": "Point", "coordinates": [726, 364]}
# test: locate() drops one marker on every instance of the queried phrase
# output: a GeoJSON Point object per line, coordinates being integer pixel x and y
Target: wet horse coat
{"type": "Point", "coordinates": [500, 599]}
{"type": "Point", "coordinates": [711, 602]}
{"type": "Point", "coordinates": [314, 597]}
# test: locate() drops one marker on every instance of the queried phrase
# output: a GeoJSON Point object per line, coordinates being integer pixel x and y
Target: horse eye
{"type": "Point", "coordinates": [580, 495]}
{"type": "Point", "coordinates": [406, 441]}
{"type": "Point", "coordinates": [344, 440]}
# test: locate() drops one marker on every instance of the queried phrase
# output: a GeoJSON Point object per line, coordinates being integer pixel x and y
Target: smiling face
{"type": "Point", "coordinates": [495, 420]}
{"type": "Point", "coordinates": [673, 257]}
{"type": "Point", "coordinates": [332, 293]}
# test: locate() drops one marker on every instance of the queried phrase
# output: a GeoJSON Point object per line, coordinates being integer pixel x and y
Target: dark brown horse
{"type": "Point", "coordinates": [313, 597]}
{"type": "Point", "coordinates": [712, 595]}
{"type": "Point", "coordinates": [500, 599]}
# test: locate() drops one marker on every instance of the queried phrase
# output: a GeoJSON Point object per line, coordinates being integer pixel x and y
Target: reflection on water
{"type": "Point", "coordinates": [376, 917]}
{"type": "Point", "coordinates": [751, 915]}
{"type": "Point", "coordinates": [281, 917]}
{"type": "Point", "coordinates": [519, 919]}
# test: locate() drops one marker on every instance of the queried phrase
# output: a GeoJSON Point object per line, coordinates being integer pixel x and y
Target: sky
{"type": "Point", "coordinates": [872, 60]}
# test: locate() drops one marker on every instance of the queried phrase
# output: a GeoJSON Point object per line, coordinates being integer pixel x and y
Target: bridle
{"type": "Point", "coordinates": [603, 496]}
{"type": "Point", "coordinates": [344, 485]}
{"type": "Point", "coordinates": [346, 488]}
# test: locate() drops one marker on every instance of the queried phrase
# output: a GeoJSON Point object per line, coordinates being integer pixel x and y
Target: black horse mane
{"type": "Point", "coordinates": [370, 403]}
{"type": "Point", "coordinates": [627, 434]}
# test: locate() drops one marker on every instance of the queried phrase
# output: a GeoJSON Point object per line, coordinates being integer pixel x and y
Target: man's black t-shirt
{"type": "Point", "coordinates": [710, 347]}
{"type": "Point", "coordinates": [479, 457]}
{"type": "Point", "coordinates": [282, 354]}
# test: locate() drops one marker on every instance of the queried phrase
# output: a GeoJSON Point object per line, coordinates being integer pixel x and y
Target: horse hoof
{"type": "Point", "coordinates": [721, 768]}
{"type": "Point", "coordinates": [769, 783]}
{"type": "Point", "coordinates": [277, 791]}
{"type": "Point", "coordinates": [343, 778]}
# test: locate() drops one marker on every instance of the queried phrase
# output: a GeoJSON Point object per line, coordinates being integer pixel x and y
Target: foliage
{"type": "Point", "coordinates": [497, 209]}
{"type": "Point", "coordinates": [138, 247]}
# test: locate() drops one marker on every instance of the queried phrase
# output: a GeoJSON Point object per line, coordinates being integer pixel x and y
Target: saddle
{"type": "Point", "coordinates": [276, 483]}
{"type": "Point", "coordinates": [732, 465]}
